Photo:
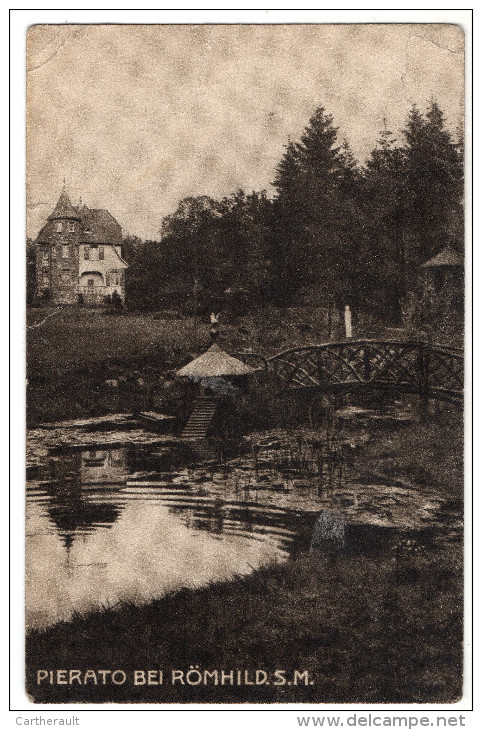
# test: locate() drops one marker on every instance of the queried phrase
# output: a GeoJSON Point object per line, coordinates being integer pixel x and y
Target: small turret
{"type": "Point", "coordinates": [64, 208]}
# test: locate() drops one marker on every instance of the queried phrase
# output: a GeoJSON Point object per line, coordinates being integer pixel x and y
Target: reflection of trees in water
{"type": "Point", "coordinates": [290, 528]}
{"type": "Point", "coordinates": [73, 515]}
{"type": "Point", "coordinates": [72, 509]}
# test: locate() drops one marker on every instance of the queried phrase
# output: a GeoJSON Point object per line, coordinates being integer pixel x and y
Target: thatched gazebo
{"type": "Point", "coordinates": [445, 273]}
{"type": "Point", "coordinates": [442, 298]}
{"type": "Point", "coordinates": [218, 374]}
{"type": "Point", "coordinates": [215, 363]}
{"type": "Point", "coordinates": [446, 268]}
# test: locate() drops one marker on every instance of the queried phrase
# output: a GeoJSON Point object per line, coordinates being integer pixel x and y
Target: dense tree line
{"type": "Point", "coordinates": [356, 232]}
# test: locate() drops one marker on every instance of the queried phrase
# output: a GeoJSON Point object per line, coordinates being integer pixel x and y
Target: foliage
{"type": "Point", "coordinates": [315, 184]}
{"type": "Point", "coordinates": [335, 228]}
{"type": "Point", "coordinates": [434, 176]}
{"type": "Point", "coordinates": [31, 272]}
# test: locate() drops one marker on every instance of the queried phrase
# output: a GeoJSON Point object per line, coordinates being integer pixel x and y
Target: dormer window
{"type": "Point", "coordinates": [71, 227]}
{"type": "Point", "coordinates": [58, 226]}
{"type": "Point", "coordinates": [101, 253]}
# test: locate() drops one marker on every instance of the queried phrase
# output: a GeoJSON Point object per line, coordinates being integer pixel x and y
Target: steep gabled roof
{"type": "Point", "coordinates": [64, 208]}
{"type": "Point", "coordinates": [99, 226]}
{"type": "Point", "coordinates": [214, 363]}
{"type": "Point", "coordinates": [446, 257]}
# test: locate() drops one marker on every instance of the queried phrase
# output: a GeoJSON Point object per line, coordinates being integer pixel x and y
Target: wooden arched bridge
{"type": "Point", "coordinates": [430, 371]}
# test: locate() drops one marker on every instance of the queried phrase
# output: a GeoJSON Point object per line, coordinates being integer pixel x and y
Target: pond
{"type": "Point", "coordinates": [116, 515]}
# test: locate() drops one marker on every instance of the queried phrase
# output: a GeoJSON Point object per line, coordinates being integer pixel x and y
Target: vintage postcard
{"type": "Point", "coordinates": [245, 362]}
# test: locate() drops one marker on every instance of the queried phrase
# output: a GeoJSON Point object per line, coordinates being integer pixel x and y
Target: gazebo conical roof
{"type": "Point", "coordinates": [446, 257]}
{"type": "Point", "coordinates": [214, 363]}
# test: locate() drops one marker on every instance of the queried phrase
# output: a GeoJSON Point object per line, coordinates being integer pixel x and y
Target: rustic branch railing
{"type": "Point", "coordinates": [430, 371]}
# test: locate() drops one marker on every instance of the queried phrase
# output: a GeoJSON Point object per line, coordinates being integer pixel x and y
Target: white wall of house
{"type": "Point", "coordinates": [101, 271]}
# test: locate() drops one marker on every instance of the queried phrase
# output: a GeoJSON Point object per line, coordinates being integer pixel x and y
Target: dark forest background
{"type": "Point", "coordinates": [336, 227]}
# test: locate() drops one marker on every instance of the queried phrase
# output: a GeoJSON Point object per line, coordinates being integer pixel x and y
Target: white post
{"type": "Point", "coordinates": [348, 332]}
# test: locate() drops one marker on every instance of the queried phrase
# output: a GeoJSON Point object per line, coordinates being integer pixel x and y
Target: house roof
{"type": "Point", "coordinates": [446, 257]}
{"type": "Point", "coordinates": [214, 363]}
{"type": "Point", "coordinates": [64, 208]}
{"type": "Point", "coordinates": [97, 225]}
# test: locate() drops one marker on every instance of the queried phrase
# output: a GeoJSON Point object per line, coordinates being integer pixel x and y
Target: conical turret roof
{"type": "Point", "coordinates": [214, 363]}
{"type": "Point", "coordinates": [64, 208]}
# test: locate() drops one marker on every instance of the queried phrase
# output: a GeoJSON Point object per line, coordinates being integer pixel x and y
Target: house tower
{"type": "Point", "coordinates": [79, 255]}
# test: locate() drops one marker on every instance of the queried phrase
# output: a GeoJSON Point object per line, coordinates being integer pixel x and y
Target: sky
{"type": "Point", "coordinates": [137, 117]}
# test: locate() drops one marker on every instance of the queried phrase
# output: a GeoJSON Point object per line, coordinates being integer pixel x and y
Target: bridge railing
{"type": "Point", "coordinates": [411, 365]}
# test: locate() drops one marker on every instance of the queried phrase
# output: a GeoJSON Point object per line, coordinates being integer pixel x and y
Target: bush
{"type": "Point", "coordinates": [44, 296]}
{"type": "Point", "coordinates": [117, 303]}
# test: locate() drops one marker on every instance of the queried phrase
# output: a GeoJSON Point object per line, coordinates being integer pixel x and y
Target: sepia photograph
{"type": "Point", "coordinates": [245, 305]}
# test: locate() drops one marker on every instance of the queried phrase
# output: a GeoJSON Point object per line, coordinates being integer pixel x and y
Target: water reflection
{"type": "Point", "coordinates": [105, 525]}
{"type": "Point", "coordinates": [73, 515]}
{"type": "Point", "coordinates": [103, 467]}
{"type": "Point", "coordinates": [109, 524]}
{"type": "Point", "coordinates": [73, 508]}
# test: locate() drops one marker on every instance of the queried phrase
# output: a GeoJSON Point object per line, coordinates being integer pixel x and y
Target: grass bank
{"type": "Point", "coordinates": [417, 455]}
{"type": "Point", "coordinates": [365, 629]}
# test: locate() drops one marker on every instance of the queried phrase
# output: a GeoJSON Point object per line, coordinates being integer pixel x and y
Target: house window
{"type": "Point", "coordinates": [65, 278]}
{"type": "Point", "coordinates": [58, 226]}
{"type": "Point", "coordinates": [71, 227]}
{"type": "Point", "coordinates": [114, 278]}
{"type": "Point", "coordinates": [86, 253]}
{"type": "Point", "coordinates": [101, 253]}
{"type": "Point", "coordinates": [45, 256]}
{"type": "Point", "coordinates": [65, 252]}
{"type": "Point", "coordinates": [45, 280]}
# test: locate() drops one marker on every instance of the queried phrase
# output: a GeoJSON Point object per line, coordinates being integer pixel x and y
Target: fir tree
{"type": "Point", "coordinates": [434, 185]}
{"type": "Point", "coordinates": [381, 258]}
{"type": "Point", "coordinates": [310, 185]}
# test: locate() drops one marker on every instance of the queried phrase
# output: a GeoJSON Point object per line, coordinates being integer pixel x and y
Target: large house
{"type": "Point", "coordinates": [79, 255]}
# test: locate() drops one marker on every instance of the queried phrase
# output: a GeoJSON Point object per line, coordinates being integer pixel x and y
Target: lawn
{"type": "Point", "coordinates": [71, 352]}
{"type": "Point", "coordinates": [66, 338]}
{"type": "Point", "coordinates": [62, 338]}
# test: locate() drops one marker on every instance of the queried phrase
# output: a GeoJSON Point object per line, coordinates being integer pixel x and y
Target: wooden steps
{"type": "Point", "coordinates": [201, 418]}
